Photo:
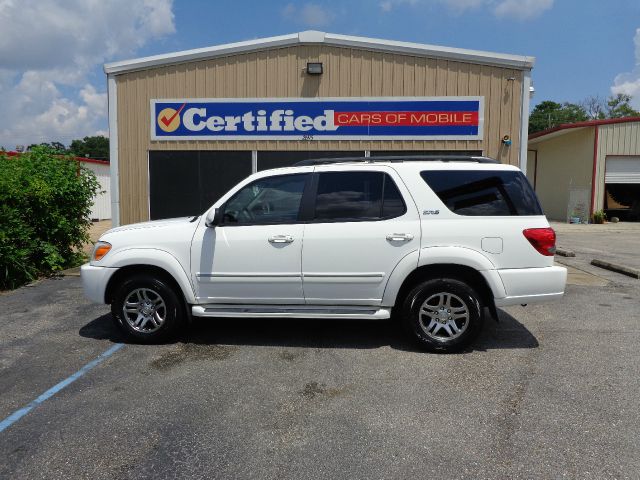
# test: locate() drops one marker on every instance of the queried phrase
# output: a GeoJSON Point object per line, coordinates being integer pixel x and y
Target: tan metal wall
{"type": "Point", "coordinates": [279, 73]}
{"type": "Point", "coordinates": [614, 139]}
{"type": "Point", "coordinates": [564, 162]}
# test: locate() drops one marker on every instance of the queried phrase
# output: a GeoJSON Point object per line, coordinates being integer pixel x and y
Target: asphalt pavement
{"type": "Point", "coordinates": [549, 392]}
{"type": "Point", "coordinates": [618, 243]}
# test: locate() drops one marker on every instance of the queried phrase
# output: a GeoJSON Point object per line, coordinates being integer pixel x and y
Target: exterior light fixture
{"type": "Point", "coordinates": [314, 68]}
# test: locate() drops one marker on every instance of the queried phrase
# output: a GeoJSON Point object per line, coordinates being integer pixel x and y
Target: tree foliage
{"type": "Point", "coordinates": [53, 146]}
{"type": "Point", "coordinates": [94, 147]}
{"type": "Point", "coordinates": [45, 204]}
{"type": "Point", "coordinates": [618, 107]}
{"type": "Point", "coordinates": [550, 114]}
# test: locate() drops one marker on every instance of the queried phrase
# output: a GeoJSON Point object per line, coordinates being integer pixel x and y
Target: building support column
{"type": "Point", "coordinates": [524, 119]}
{"type": "Point", "coordinates": [112, 96]}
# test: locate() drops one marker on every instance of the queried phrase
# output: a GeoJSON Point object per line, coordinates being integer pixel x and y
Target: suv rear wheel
{"type": "Point", "coordinates": [147, 309]}
{"type": "Point", "coordinates": [443, 315]}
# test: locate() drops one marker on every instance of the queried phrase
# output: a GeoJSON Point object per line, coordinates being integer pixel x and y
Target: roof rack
{"type": "Point", "coordinates": [397, 159]}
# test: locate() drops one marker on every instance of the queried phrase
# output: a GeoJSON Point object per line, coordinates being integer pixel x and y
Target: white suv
{"type": "Point", "coordinates": [429, 241]}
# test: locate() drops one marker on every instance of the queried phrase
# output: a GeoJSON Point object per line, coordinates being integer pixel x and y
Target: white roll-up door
{"type": "Point", "coordinates": [622, 169]}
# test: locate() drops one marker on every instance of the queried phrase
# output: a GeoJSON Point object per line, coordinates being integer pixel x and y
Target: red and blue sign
{"type": "Point", "coordinates": [398, 118]}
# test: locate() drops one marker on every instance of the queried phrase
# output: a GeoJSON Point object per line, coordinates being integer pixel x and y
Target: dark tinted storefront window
{"type": "Point", "coordinates": [411, 153]}
{"type": "Point", "coordinates": [278, 159]}
{"type": "Point", "coordinates": [183, 183]}
{"type": "Point", "coordinates": [357, 196]}
{"type": "Point", "coordinates": [484, 192]}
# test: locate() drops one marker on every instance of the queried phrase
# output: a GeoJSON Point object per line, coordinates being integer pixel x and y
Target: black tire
{"type": "Point", "coordinates": [416, 320]}
{"type": "Point", "coordinates": [149, 332]}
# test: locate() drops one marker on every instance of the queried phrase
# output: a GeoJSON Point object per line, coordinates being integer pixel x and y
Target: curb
{"type": "Point", "coordinates": [563, 252]}
{"type": "Point", "coordinates": [628, 271]}
{"type": "Point", "coordinates": [71, 272]}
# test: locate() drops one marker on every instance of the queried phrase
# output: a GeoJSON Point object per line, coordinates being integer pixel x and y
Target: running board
{"type": "Point", "coordinates": [291, 311]}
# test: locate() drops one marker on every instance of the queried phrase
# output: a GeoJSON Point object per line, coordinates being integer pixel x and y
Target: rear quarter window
{"type": "Point", "coordinates": [484, 192]}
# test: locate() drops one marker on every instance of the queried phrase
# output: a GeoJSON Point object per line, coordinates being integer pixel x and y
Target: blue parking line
{"type": "Point", "coordinates": [18, 414]}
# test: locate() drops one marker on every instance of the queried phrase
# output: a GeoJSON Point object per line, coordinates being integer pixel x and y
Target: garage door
{"type": "Point", "coordinates": [622, 187]}
{"type": "Point", "coordinates": [622, 169]}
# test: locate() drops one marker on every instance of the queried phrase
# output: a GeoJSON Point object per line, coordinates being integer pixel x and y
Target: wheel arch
{"type": "Point", "coordinates": [445, 261]}
{"type": "Point", "coordinates": [138, 269]}
{"type": "Point", "coordinates": [150, 260]}
{"type": "Point", "coordinates": [464, 273]}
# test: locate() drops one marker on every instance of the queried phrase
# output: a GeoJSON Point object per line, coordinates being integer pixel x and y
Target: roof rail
{"type": "Point", "coordinates": [397, 159]}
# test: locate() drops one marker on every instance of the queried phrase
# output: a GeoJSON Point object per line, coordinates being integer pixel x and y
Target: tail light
{"type": "Point", "coordinates": [542, 239]}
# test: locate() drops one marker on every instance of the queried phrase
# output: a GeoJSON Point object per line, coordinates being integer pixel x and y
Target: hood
{"type": "Point", "coordinates": [151, 224]}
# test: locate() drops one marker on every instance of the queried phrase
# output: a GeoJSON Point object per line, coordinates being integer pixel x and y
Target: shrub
{"type": "Point", "coordinates": [45, 203]}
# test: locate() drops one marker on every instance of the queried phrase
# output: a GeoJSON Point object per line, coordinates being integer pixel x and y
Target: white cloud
{"type": "Point", "coordinates": [519, 9]}
{"type": "Point", "coordinates": [388, 5]}
{"type": "Point", "coordinates": [522, 9]}
{"type": "Point", "coordinates": [629, 83]}
{"type": "Point", "coordinates": [309, 14]}
{"type": "Point", "coordinates": [38, 112]}
{"type": "Point", "coordinates": [45, 65]}
{"type": "Point", "coordinates": [461, 6]}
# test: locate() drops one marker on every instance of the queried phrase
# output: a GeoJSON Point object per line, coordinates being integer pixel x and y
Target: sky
{"type": "Point", "coordinates": [53, 88]}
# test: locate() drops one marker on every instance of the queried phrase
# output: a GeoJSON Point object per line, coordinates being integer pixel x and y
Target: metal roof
{"type": "Point", "coordinates": [570, 127]}
{"type": "Point", "coordinates": [312, 37]}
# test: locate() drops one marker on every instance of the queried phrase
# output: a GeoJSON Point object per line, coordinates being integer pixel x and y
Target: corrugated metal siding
{"type": "Point", "coordinates": [101, 209]}
{"type": "Point", "coordinates": [614, 139]}
{"type": "Point", "coordinates": [280, 73]}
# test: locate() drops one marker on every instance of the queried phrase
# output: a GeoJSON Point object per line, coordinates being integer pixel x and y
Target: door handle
{"type": "Point", "coordinates": [399, 237]}
{"type": "Point", "coordinates": [281, 239]}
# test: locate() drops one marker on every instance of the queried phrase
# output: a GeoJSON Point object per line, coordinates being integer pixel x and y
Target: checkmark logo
{"type": "Point", "coordinates": [169, 119]}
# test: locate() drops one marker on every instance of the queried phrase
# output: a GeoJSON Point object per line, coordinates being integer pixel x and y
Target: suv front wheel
{"type": "Point", "coordinates": [443, 315]}
{"type": "Point", "coordinates": [147, 309]}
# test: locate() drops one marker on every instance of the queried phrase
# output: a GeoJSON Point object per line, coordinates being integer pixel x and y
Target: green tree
{"type": "Point", "coordinates": [550, 114]}
{"type": "Point", "coordinates": [94, 147]}
{"type": "Point", "coordinates": [53, 146]}
{"type": "Point", "coordinates": [618, 107]}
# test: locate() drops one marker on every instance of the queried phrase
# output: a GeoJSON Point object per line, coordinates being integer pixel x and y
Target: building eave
{"type": "Point", "coordinates": [558, 132]}
{"type": "Point", "coordinates": [312, 37]}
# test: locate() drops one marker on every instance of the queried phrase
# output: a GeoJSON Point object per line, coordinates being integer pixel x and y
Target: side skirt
{"type": "Point", "coordinates": [292, 311]}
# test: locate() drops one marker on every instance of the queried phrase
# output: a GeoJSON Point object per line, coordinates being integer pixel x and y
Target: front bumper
{"type": "Point", "coordinates": [95, 280]}
{"type": "Point", "coordinates": [532, 285]}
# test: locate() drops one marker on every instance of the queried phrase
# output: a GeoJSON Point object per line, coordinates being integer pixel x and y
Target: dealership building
{"type": "Point", "coordinates": [187, 126]}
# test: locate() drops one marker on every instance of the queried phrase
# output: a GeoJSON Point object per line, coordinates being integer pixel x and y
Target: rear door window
{"type": "Point", "coordinates": [484, 192]}
{"type": "Point", "coordinates": [357, 196]}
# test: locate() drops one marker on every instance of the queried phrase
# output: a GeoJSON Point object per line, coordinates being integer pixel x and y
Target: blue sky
{"type": "Point", "coordinates": [54, 89]}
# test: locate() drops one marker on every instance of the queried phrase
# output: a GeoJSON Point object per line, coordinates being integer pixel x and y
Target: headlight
{"type": "Point", "coordinates": [100, 250]}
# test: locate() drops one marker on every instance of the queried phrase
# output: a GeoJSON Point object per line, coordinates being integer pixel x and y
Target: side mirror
{"type": "Point", "coordinates": [213, 217]}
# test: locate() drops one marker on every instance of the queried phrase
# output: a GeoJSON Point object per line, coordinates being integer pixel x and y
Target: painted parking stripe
{"type": "Point", "coordinates": [18, 414]}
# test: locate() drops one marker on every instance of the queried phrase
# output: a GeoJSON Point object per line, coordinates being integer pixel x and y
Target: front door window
{"type": "Point", "coordinates": [269, 200]}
